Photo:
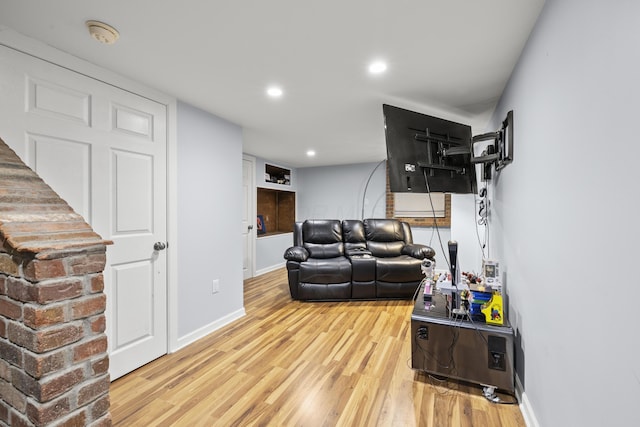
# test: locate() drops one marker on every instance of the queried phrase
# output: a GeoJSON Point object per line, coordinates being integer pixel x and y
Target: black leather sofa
{"type": "Point", "coordinates": [353, 259]}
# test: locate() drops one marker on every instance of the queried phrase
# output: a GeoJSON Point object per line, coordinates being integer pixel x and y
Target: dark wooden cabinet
{"type": "Point", "coordinates": [277, 211]}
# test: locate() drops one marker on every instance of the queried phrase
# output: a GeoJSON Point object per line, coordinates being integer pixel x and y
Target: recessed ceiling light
{"type": "Point", "coordinates": [274, 92]}
{"type": "Point", "coordinates": [311, 153]}
{"type": "Point", "coordinates": [377, 67]}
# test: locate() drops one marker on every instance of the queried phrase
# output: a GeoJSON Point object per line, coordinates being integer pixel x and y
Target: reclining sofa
{"type": "Point", "coordinates": [353, 259]}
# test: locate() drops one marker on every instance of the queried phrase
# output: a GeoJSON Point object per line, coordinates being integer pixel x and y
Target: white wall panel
{"type": "Point", "coordinates": [133, 294]}
{"type": "Point", "coordinates": [58, 101]}
{"type": "Point", "coordinates": [66, 166]}
{"type": "Point", "coordinates": [131, 121]}
{"type": "Point", "coordinates": [133, 192]}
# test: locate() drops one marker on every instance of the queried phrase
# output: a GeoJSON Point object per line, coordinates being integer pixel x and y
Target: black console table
{"type": "Point", "coordinates": [459, 348]}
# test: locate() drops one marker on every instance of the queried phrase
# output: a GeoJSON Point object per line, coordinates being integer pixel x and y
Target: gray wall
{"type": "Point", "coordinates": [336, 192]}
{"type": "Point", "coordinates": [270, 252]}
{"type": "Point", "coordinates": [209, 218]}
{"type": "Point", "coordinates": [564, 220]}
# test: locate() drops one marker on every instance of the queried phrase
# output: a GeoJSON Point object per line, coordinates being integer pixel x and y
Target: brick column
{"type": "Point", "coordinates": [53, 346]}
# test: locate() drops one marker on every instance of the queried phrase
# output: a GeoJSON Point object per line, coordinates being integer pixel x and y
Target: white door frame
{"type": "Point", "coordinates": [29, 46]}
{"type": "Point", "coordinates": [253, 213]}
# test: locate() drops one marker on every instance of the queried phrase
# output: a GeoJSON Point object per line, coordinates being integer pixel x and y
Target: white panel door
{"type": "Point", "coordinates": [248, 217]}
{"type": "Point", "coordinates": [103, 150]}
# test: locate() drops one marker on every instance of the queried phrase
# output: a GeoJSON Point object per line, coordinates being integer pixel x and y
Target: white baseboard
{"type": "Point", "coordinates": [207, 329]}
{"type": "Point", "coordinates": [525, 406]}
{"type": "Point", "coordinates": [271, 268]}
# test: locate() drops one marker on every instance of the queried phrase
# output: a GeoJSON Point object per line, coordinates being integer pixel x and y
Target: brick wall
{"type": "Point", "coordinates": [419, 222]}
{"type": "Point", "coordinates": [53, 347]}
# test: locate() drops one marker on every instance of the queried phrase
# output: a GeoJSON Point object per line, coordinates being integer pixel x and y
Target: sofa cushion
{"type": "Point", "coordinates": [334, 270]}
{"type": "Point", "coordinates": [323, 238]}
{"type": "Point", "coordinates": [321, 291]}
{"type": "Point", "coordinates": [385, 249]}
{"type": "Point", "coordinates": [398, 269]}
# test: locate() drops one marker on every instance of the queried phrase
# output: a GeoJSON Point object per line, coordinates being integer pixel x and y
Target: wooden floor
{"type": "Point", "coordinates": [289, 363]}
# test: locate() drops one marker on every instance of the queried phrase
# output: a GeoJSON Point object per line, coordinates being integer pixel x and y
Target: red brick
{"type": "Point", "coordinates": [3, 328]}
{"type": "Point", "coordinates": [91, 348]}
{"type": "Point", "coordinates": [51, 339]}
{"type": "Point", "coordinates": [100, 366]}
{"type": "Point", "coordinates": [67, 223]}
{"type": "Point", "coordinates": [8, 265]}
{"type": "Point", "coordinates": [58, 385]}
{"type": "Point", "coordinates": [19, 289]}
{"type": "Point", "coordinates": [25, 383]}
{"type": "Point", "coordinates": [93, 390]}
{"type": "Point", "coordinates": [12, 396]}
{"type": "Point", "coordinates": [38, 365]}
{"type": "Point", "coordinates": [77, 419]}
{"type": "Point", "coordinates": [100, 407]}
{"type": "Point", "coordinates": [98, 324]}
{"type": "Point", "coordinates": [58, 291]}
{"type": "Point", "coordinates": [21, 335]}
{"type": "Point", "coordinates": [3, 284]}
{"type": "Point", "coordinates": [103, 422]}
{"type": "Point", "coordinates": [86, 264]}
{"type": "Point", "coordinates": [11, 353]}
{"type": "Point", "coordinates": [88, 306]}
{"type": "Point", "coordinates": [5, 371]}
{"type": "Point", "coordinates": [4, 413]}
{"type": "Point", "coordinates": [37, 242]}
{"type": "Point", "coordinates": [10, 308]}
{"type": "Point", "coordinates": [40, 316]}
{"type": "Point", "coordinates": [37, 270]}
{"type": "Point", "coordinates": [46, 339]}
{"type": "Point", "coordinates": [97, 283]}
{"type": "Point", "coordinates": [43, 414]}
{"type": "Point", "coordinates": [18, 420]}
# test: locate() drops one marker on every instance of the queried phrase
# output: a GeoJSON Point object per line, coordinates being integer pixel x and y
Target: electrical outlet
{"type": "Point", "coordinates": [216, 286]}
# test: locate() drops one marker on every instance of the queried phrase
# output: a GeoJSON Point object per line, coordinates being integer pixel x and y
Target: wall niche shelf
{"type": "Point", "coordinates": [276, 211]}
{"type": "Point", "coordinates": [277, 175]}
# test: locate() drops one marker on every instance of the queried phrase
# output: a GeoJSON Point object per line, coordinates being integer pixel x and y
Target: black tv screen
{"type": "Point", "coordinates": [421, 146]}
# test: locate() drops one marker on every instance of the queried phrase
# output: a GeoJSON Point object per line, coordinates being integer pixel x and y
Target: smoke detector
{"type": "Point", "coordinates": [102, 32]}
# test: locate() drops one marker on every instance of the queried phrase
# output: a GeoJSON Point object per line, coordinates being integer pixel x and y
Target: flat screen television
{"type": "Point", "coordinates": [427, 154]}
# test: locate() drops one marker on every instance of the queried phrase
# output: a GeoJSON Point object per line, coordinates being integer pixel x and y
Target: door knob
{"type": "Point", "coordinates": [250, 227]}
{"type": "Point", "coordinates": [159, 246]}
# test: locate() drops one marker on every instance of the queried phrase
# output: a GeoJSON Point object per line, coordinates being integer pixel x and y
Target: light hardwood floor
{"type": "Point", "coordinates": [289, 363]}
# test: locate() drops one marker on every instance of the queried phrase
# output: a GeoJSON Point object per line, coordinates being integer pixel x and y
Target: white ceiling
{"type": "Point", "coordinates": [450, 58]}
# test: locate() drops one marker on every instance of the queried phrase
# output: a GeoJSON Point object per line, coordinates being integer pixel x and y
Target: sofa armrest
{"type": "Point", "coordinates": [418, 251]}
{"type": "Point", "coordinates": [296, 253]}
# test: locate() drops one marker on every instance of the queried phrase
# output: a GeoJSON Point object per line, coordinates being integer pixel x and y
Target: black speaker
{"type": "Point", "coordinates": [497, 349]}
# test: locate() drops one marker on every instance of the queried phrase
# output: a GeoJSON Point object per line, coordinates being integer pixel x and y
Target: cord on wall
{"type": "Point", "coordinates": [364, 193]}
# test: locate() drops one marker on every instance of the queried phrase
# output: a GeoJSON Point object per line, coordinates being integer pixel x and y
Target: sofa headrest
{"type": "Point", "coordinates": [322, 231]}
{"type": "Point", "coordinates": [353, 231]}
{"type": "Point", "coordinates": [323, 238]}
{"type": "Point", "coordinates": [384, 230]}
